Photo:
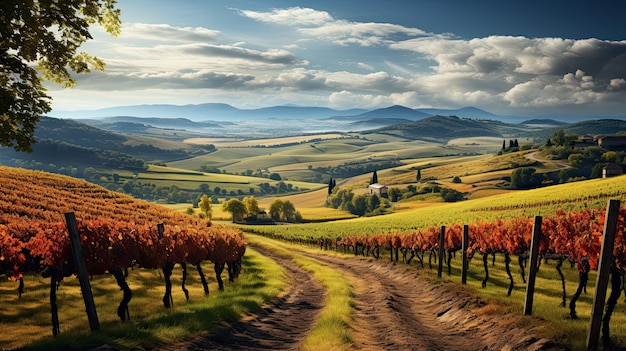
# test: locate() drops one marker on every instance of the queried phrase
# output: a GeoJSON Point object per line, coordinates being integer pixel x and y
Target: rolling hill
{"type": "Point", "coordinates": [63, 142]}
{"type": "Point", "coordinates": [393, 113]}
{"type": "Point", "coordinates": [446, 128]}
{"type": "Point", "coordinates": [209, 111]}
{"type": "Point", "coordinates": [590, 127]}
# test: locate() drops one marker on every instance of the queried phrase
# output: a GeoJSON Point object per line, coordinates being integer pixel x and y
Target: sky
{"type": "Point", "coordinates": [525, 58]}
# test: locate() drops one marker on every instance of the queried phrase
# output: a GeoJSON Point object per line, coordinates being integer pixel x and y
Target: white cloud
{"type": "Point", "coordinates": [365, 66]}
{"type": "Point", "coordinates": [617, 84]}
{"type": "Point", "coordinates": [521, 72]}
{"type": "Point", "coordinates": [321, 25]}
{"type": "Point", "coordinates": [294, 16]}
{"type": "Point", "coordinates": [345, 99]}
{"type": "Point", "coordinates": [497, 73]}
{"type": "Point", "coordinates": [166, 32]}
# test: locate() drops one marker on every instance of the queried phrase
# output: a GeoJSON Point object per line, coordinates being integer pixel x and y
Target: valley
{"type": "Point", "coordinates": [418, 161]}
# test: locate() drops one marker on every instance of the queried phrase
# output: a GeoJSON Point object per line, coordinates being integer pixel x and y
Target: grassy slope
{"type": "Point", "coordinates": [188, 179]}
{"type": "Point", "coordinates": [27, 320]}
{"type": "Point", "coordinates": [544, 201]}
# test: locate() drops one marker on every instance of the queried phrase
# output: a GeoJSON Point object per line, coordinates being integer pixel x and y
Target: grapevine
{"type": "Point", "coordinates": [116, 232]}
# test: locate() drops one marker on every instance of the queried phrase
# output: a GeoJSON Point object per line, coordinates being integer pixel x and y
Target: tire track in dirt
{"type": "Point", "coordinates": [398, 310]}
{"type": "Point", "coordinates": [280, 326]}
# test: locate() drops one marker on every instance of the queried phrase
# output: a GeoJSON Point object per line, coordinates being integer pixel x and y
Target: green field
{"type": "Point", "coordinates": [189, 179]}
{"type": "Point", "coordinates": [296, 159]}
{"type": "Point", "coordinates": [544, 201]}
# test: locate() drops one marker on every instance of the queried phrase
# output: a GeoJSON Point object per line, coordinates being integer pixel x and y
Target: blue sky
{"type": "Point", "coordinates": [533, 58]}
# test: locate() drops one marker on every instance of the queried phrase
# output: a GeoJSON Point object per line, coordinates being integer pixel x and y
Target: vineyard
{"type": "Point", "coordinates": [544, 202]}
{"type": "Point", "coordinates": [574, 238]}
{"type": "Point", "coordinates": [116, 232]}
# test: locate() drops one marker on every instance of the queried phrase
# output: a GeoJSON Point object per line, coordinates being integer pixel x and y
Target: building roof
{"type": "Point", "coordinates": [613, 166]}
{"type": "Point", "coordinates": [377, 186]}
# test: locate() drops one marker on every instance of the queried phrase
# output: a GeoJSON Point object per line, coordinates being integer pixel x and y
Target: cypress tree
{"type": "Point", "coordinates": [374, 178]}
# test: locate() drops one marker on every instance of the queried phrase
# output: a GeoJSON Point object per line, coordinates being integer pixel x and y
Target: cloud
{"type": "Point", "coordinates": [322, 26]}
{"type": "Point", "coordinates": [272, 56]}
{"type": "Point", "coordinates": [166, 32]}
{"type": "Point", "coordinates": [365, 66]}
{"type": "Point", "coordinates": [163, 80]}
{"type": "Point", "coordinates": [346, 99]}
{"type": "Point", "coordinates": [388, 64]}
{"type": "Point", "coordinates": [522, 72]}
{"type": "Point", "coordinates": [294, 16]}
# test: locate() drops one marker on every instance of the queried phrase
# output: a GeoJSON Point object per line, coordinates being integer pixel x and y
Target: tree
{"type": "Point", "coordinates": [451, 195]}
{"type": "Point", "coordinates": [394, 194]}
{"type": "Point", "coordinates": [284, 210]}
{"type": "Point", "coordinates": [288, 211]}
{"type": "Point", "coordinates": [275, 176]}
{"type": "Point", "coordinates": [373, 203]}
{"type": "Point", "coordinates": [419, 175]}
{"type": "Point", "coordinates": [252, 205]}
{"type": "Point", "coordinates": [205, 205]}
{"type": "Point", "coordinates": [525, 177]}
{"type": "Point", "coordinates": [276, 208]}
{"type": "Point", "coordinates": [236, 208]}
{"type": "Point", "coordinates": [374, 178]}
{"type": "Point", "coordinates": [576, 160]}
{"type": "Point", "coordinates": [48, 33]}
{"type": "Point", "coordinates": [359, 203]}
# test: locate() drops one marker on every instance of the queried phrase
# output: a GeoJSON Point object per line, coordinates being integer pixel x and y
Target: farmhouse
{"type": "Point", "coordinates": [584, 141]}
{"type": "Point", "coordinates": [611, 170]}
{"type": "Point", "coordinates": [378, 189]}
{"type": "Point", "coordinates": [612, 142]}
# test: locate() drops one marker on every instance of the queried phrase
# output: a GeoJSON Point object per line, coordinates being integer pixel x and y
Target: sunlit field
{"type": "Point", "coordinates": [544, 201]}
{"type": "Point", "coordinates": [26, 322]}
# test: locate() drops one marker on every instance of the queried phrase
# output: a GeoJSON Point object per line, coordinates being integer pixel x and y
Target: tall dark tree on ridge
{"type": "Point", "coordinates": [374, 178]}
{"type": "Point", "coordinates": [331, 185]}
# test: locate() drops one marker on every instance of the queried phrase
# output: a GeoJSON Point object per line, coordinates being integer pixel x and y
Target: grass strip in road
{"type": "Point", "coordinates": [152, 325]}
{"type": "Point", "coordinates": [330, 332]}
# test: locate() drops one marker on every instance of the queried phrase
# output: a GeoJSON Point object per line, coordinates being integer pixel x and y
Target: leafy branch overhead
{"type": "Point", "coordinates": [40, 41]}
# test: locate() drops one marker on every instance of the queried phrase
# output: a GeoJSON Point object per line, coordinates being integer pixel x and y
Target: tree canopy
{"type": "Point", "coordinates": [39, 40]}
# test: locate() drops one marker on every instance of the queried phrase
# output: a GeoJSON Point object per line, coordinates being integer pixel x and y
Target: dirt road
{"type": "Point", "coordinates": [398, 310]}
{"type": "Point", "coordinates": [395, 310]}
{"type": "Point", "coordinates": [280, 326]}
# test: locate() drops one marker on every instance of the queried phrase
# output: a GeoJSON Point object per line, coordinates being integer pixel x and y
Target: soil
{"type": "Point", "coordinates": [395, 310]}
{"type": "Point", "coordinates": [279, 326]}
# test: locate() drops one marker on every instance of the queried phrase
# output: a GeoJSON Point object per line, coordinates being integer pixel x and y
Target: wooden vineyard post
{"type": "Point", "coordinates": [81, 271]}
{"type": "Point", "coordinates": [532, 271]}
{"type": "Point", "coordinates": [464, 246]}
{"type": "Point", "coordinates": [167, 269]}
{"type": "Point", "coordinates": [442, 235]}
{"type": "Point", "coordinates": [604, 269]}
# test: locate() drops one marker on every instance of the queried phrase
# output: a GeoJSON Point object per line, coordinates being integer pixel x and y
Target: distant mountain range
{"type": "Point", "coordinates": [225, 120]}
{"type": "Point", "coordinates": [225, 112]}
{"type": "Point", "coordinates": [442, 128]}
{"type": "Point", "coordinates": [209, 112]}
